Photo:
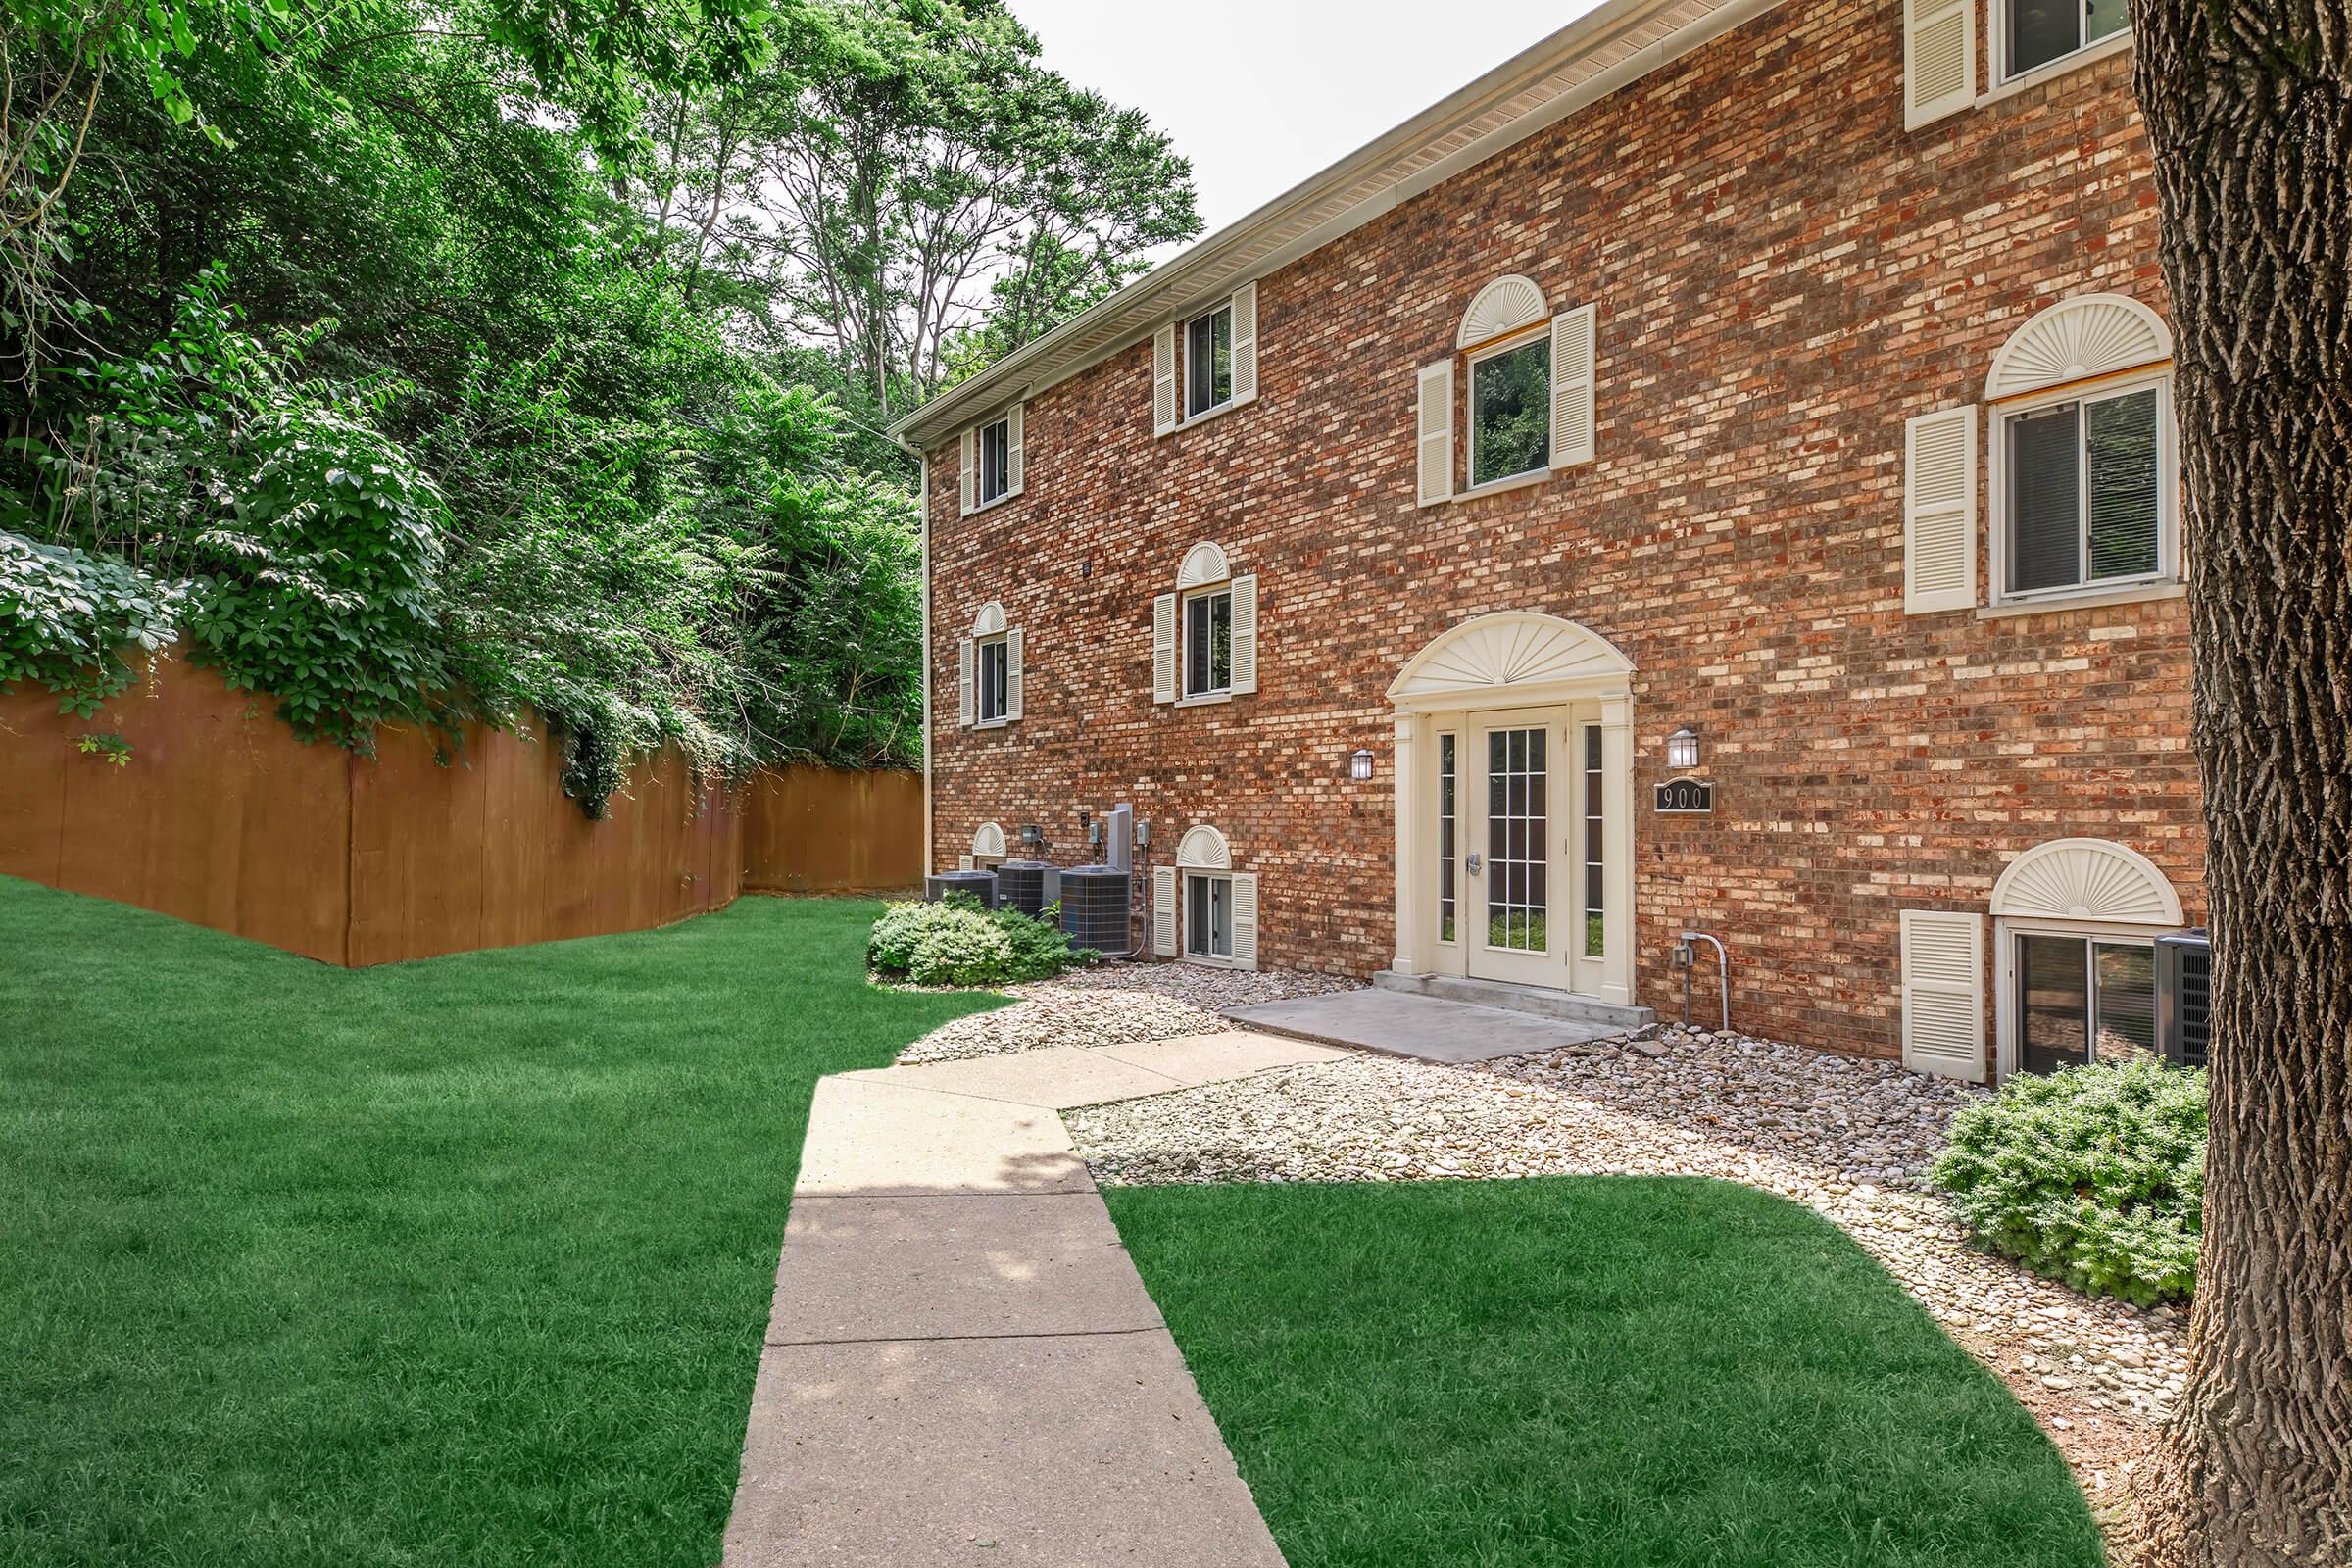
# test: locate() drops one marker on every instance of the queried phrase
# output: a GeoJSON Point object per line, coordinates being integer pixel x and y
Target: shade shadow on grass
{"type": "Point", "coordinates": [457, 1262]}
{"type": "Point", "coordinates": [1600, 1371]}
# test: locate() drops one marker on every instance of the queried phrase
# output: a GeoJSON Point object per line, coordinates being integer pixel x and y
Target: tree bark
{"type": "Point", "coordinates": [2248, 106]}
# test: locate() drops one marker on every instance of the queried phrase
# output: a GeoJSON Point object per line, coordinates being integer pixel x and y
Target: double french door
{"type": "Point", "coordinates": [1524, 796]}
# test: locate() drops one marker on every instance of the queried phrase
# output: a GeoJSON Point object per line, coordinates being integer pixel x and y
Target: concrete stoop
{"type": "Point", "coordinates": [1436, 1018]}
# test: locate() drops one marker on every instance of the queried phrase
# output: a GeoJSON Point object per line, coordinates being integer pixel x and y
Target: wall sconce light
{"type": "Point", "coordinates": [1032, 835]}
{"type": "Point", "coordinates": [1682, 750]}
{"type": "Point", "coordinates": [1359, 766]}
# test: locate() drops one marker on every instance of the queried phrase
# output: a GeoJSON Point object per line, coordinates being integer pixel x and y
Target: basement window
{"type": "Point", "coordinates": [1209, 916]}
{"type": "Point", "coordinates": [2084, 998]}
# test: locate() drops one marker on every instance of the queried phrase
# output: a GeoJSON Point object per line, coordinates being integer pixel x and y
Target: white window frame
{"type": "Point", "coordinates": [981, 717]}
{"type": "Point", "coordinates": [2008, 74]}
{"type": "Point", "coordinates": [1539, 333]}
{"type": "Point", "coordinates": [2006, 929]}
{"type": "Point", "coordinates": [1192, 879]}
{"type": "Point", "coordinates": [2167, 486]}
{"type": "Point", "coordinates": [1186, 413]}
{"type": "Point", "coordinates": [1443, 860]}
{"type": "Point", "coordinates": [1184, 643]}
{"type": "Point", "coordinates": [1002, 424]}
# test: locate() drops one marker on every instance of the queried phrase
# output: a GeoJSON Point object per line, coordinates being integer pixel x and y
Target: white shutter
{"type": "Point", "coordinates": [1434, 446]}
{"type": "Point", "coordinates": [963, 681]}
{"type": "Point", "coordinates": [1164, 648]}
{"type": "Point", "coordinates": [1244, 919]}
{"type": "Point", "coordinates": [1943, 993]}
{"type": "Point", "coordinates": [1163, 379]}
{"type": "Point", "coordinates": [1940, 510]}
{"type": "Point", "coordinates": [1164, 910]}
{"type": "Point", "coordinates": [1012, 674]}
{"type": "Point", "coordinates": [1572, 386]}
{"type": "Point", "coordinates": [1245, 343]}
{"type": "Point", "coordinates": [1939, 59]}
{"type": "Point", "coordinates": [971, 471]}
{"type": "Point", "coordinates": [1012, 450]}
{"type": "Point", "coordinates": [1244, 676]}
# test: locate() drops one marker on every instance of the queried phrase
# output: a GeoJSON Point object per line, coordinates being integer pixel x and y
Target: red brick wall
{"type": "Point", "coordinates": [1785, 275]}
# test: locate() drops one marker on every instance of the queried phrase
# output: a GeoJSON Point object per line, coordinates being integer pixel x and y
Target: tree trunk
{"type": "Point", "coordinates": [2249, 104]}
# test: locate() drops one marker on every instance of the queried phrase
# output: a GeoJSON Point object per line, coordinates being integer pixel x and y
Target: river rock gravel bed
{"type": "Point", "coordinates": [1115, 1005]}
{"type": "Point", "coordinates": [1849, 1138]}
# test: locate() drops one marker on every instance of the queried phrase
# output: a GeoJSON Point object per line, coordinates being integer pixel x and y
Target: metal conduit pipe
{"type": "Point", "coordinates": [1685, 958]}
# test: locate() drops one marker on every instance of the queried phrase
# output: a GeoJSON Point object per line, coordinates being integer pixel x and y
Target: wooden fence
{"type": "Point", "coordinates": [223, 818]}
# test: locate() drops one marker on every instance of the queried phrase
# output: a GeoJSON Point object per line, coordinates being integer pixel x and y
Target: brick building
{"type": "Point", "coordinates": [1768, 398]}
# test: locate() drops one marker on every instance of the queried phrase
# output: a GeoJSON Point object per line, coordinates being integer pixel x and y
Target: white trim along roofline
{"type": "Point", "coordinates": [1609, 48]}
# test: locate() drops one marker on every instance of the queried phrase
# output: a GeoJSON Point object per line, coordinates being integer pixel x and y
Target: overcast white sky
{"type": "Point", "coordinates": [1261, 94]}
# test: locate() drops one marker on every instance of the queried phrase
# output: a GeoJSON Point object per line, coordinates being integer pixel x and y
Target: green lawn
{"type": "Point", "coordinates": [461, 1262]}
{"type": "Point", "coordinates": [1592, 1371]}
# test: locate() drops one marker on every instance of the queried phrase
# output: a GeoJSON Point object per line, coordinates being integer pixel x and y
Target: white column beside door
{"type": "Point", "coordinates": [1413, 890]}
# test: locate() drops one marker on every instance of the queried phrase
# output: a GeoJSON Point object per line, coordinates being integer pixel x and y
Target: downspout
{"type": "Point", "coordinates": [922, 463]}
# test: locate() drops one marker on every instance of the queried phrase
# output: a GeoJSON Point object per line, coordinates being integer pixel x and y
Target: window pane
{"type": "Point", "coordinates": [1596, 837]}
{"type": "Point", "coordinates": [1220, 642]}
{"type": "Point", "coordinates": [2127, 993]}
{"type": "Point", "coordinates": [2041, 30]}
{"type": "Point", "coordinates": [995, 446]}
{"type": "Point", "coordinates": [2121, 437]}
{"type": "Point", "coordinates": [1445, 853]}
{"type": "Point", "coordinates": [992, 672]}
{"type": "Point", "coordinates": [1510, 413]}
{"type": "Point", "coordinates": [2104, 18]}
{"type": "Point", "coordinates": [2045, 523]}
{"type": "Point", "coordinates": [1199, 666]}
{"type": "Point", "coordinates": [2053, 993]}
{"type": "Point", "coordinates": [1220, 917]}
{"type": "Point", "coordinates": [1197, 914]}
{"type": "Point", "coordinates": [1208, 361]}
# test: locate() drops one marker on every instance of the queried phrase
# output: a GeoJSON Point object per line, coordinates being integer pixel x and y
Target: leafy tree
{"type": "Point", "coordinates": [2248, 106]}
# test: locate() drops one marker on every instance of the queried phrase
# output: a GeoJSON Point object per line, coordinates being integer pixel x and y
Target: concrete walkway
{"type": "Point", "coordinates": [961, 1363]}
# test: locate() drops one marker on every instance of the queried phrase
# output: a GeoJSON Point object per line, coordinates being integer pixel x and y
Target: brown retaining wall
{"type": "Point", "coordinates": [223, 818]}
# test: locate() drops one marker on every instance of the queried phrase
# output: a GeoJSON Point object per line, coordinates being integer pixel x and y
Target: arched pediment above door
{"type": "Point", "coordinates": [1510, 657]}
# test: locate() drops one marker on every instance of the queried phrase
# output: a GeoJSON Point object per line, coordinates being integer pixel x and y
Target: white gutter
{"type": "Point", "coordinates": [1608, 48]}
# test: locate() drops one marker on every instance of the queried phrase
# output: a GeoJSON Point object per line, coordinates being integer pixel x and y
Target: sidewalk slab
{"type": "Point", "coordinates": [1010, 1263]}
{"type": "Point", "coordinates": [874, 1139]}
{"type": "Point", "coordinates": [1055, 1453]}
{"type": "Point", "coordinates": [1198, 1059]}
{"type": "Point", "coordinates": [1425, 1028]}
{"type": "Point", "coordinates": [1058, 1077]}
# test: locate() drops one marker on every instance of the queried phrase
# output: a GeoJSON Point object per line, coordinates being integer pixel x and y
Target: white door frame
{"type": "Point", "coordinates": [1512, 660]}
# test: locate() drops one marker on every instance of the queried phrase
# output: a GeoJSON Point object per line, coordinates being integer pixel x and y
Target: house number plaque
{"type": "Point", "coordinates": [1685, 794]}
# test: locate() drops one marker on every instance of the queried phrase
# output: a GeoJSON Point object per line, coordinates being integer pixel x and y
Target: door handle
{"type": "Point", "coordinates": [1473, 862]}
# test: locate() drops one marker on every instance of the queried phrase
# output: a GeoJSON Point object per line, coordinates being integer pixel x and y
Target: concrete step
{"type": "Point", "coordinates": [1425, 1028]}
{"type": "Point", "coordinates": [1538, 1000]}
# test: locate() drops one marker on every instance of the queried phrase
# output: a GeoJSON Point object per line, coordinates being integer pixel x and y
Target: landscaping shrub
{"type": "Point", "coordinates": [2092, 1175]}
{"type": "Point", "coordinates": [957, 943]}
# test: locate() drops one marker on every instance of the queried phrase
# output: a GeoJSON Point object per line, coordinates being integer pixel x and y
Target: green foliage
{"type": "Point", "coordinates": [957, 943]}
{"type": "Point", "coordinates": [2092, 1175]}
{"type": "Point", "coordinates": [66, 616]}
{"type": "Point", "coordinates": [109, 748]}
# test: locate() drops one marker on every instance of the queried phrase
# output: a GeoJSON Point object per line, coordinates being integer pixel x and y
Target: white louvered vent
{"type": "Point", "coordinates": [1940, 510]}
{"type": "Point", "coordinates": [1164, 910]}
{"type": "Point", "coordinates": [1163, 379]}
{"type": "Point", "coordinates": [1572, 376]}
{"type": "Point", "coordinates": [1943, 993]}
{"type": "Point", "coordinates": [1434, 444]}
{"type": "Point", "coordinates": [1939, 59]}
{"type": "Point", "coordinates": [1245, 343]}
{"type": "Point", "coordinates": [1244, 676]}
{"type": "Point", "coordinates": [1164, 648]}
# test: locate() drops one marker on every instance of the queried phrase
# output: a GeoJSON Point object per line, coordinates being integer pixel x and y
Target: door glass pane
{"type": "Point", "coordinates": [2120, 437]}
{"type": "Point", "coordinates": [1445, 854]}
{"type": "Point", "coordinates": [2127, 1001]}
{"type": "Point", "coordinates": [1510, 413]}
{"type": "Point", "coordinates": [2041, 30]}
{"type": "Point", "coordinates": [2053, 1002]}
{"type": "Point", "coordinates": [2046, 500]}
{"type": "Point", "coordinates": [1517, 833]}
{"type": "Point", "coordinates": [1595, 838]}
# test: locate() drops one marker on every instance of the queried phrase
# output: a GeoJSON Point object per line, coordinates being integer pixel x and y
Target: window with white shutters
{"type": "Point", "coordinates": [2035, 34]}
{"type": "Point", "coordinates": [993, 461]}
{"type": "Point", "coordinates": [1527, 395]}
{"type": "Point", "coordinates": [1204, 634]}
{"type": "Point", "coordinates": [1207, 362]}
{"type": "Point", "coordinates": [1210, 908]}
{"type": "Point", "coordinates": [989, 671]}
